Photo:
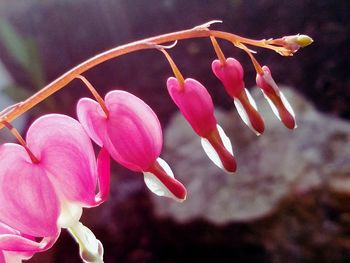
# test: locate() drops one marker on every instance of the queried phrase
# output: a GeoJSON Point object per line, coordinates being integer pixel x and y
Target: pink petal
{"type": "Point", "coordinates": [92, 118]}
{"type": "Point", "coordinates": [19, 243]}
{"type": "Point", "coordinates": [103, 169]}
{"type": "Point", "coordinates": [230, 74]}
{"type": "Point", "coordinates": [66, 153]}
{"type": "Point", "coordinates": [195, 104]}
{"type": "Point", "coordinates": [134, 131]}
{"type": "Point", "coordinates": [5, 229]}
{"type": "Point", "coordinates": [28, 199]}
{"type": "Point", "coordinates": [279, 104]}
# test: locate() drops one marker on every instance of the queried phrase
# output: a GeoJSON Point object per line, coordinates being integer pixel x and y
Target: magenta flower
{"type": "Point", "coordinates": [196, 105]}
{"type": "Point", "coordinates": [278, 102]}
{"type": "Point", "coordinates": [231, 75]}
{"type": "Point", "coordinates": [40, 198]}
{"type": "Point", "coordinates": [132, 135]}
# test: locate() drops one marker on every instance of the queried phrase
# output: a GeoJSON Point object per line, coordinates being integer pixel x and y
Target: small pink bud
{"type": "Point", "coordinates": [276, 99]}
{"type": "Point", "coordinates": [231, 75]}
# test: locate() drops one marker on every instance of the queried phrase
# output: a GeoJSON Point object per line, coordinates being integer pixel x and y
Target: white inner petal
{"type": "Point", "coordinates": [286, 104]}
{"type": "Point", "coordinates": [273, 107]}
{"type": "Point", "coordinates": [242, 112]}
{"type": "Point", "coordinates": [226, 140]}
{"type": "Point", "coordinates": [156, 186]}
{"type": "Point", "coordinates": [91, 249]}
{"type": "Point", "coordinates": [70, 214]}
{"type": "Point", "coordinates": [210, 151]}
{"type": "Point", "coordinates": [251, 100]}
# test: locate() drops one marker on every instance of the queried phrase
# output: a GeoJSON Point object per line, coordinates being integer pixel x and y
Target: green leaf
{"type": "Point", "coordinates": [14, 43]}
{"type": "Point", "coordinates": [24, 51]}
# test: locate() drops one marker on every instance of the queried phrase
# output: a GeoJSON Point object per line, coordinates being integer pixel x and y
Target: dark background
{"type": "Point", "coordinates": [68, 32]}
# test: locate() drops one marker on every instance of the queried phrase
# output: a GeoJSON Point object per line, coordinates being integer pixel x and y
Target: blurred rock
{"type": "Point", "coordinates": [271, 168]}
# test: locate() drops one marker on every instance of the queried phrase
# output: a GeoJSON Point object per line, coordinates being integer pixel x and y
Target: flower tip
{"type": "Point", "coordinates": [230, 164]}
{"type": "Point", "coordinates": [304, 40]}
{"type": "Point", "coordinates": [248, 111]}
{"type": "Point", "coordinates": [183, 198]}
{"type": "Point", "coordinates": [293, 43]}
{"type": "Point", "coordinates": [219, 150]}
{"type": "Point", "coordinates": [288, 121]}
{"type": "Point", "coordinates": [160, 180]}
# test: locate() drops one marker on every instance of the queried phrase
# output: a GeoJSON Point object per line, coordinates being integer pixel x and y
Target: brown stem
{"type": "Point", "coordinates": [175, 69]}
{"type": "Point", "coordinates": [218, 50]}
{"type": "Point", "coordinates": [63, 80]}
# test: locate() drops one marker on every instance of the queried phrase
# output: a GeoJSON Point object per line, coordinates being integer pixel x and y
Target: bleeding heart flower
{"type": "Point", "coordinates": [231, 75]}
{"type": "Point", "coordinates": [278, 102]}
{"type": "Point", "coordinates": [132, 135]}
{"type": "Point", "coordinates": [196, 105]}
{"type": "Point", "coordinates": [40, 198]}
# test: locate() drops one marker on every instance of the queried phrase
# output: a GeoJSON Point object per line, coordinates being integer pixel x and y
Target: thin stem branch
{"type": "Point", "coordinates": [62, 81]}
{"type": "Point", "coordinates": [95, 94]}
{"type": "Point", "coordinates": [218, 50]}
{"type": "Point", "coordinates": [20, 139]}
{"type": "Point", "coordinates": [175, 69]}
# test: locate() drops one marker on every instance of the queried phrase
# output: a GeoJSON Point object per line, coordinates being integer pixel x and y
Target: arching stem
{"type": "Point", "coordinates": [62, 81]}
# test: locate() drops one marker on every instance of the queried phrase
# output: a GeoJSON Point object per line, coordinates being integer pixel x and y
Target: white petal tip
{"type": "Point", "coordinates": [212, 154]}
{"type": "Point", "coordinates": [156, 186]}
{"type": "Point", "coordinates": [242, 111]}
{"type": "Point", "coordinates": [90, 248]}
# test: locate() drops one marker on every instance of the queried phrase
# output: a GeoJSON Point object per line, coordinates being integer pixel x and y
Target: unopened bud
{"type": "Point", "coordinates": [297, 41]}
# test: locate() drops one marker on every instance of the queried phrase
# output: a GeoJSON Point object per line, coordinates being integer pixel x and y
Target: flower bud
{"type": "Point", "coordinates": [275, 98]}
{"type": "Point", "coordinates": [296, 41]}
{"type": "Point", "coordinates": [231, 75]}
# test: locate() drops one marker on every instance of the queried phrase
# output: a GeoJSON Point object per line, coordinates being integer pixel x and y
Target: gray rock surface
{"type": "Point", "coordinates": [271, 168]}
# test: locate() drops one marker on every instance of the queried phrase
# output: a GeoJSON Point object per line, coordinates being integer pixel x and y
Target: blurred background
{"type": "Point", "coordinates": [290, 198]}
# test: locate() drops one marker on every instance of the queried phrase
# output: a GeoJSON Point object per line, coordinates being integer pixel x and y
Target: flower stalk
{"type": "Point", "coordinates": [20, 139]}
{"type": "Point", "coordinates": [95, 94]}
{"type": "Point", "coordinates": [196, 32]}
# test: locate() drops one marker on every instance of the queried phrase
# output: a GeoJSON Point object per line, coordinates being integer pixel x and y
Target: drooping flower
{"type": "Point", "coordinates": [231, 75]}
{"type": "Point", "coordinates": [39, 198]}
{"type": "Point", "coordinates": [132, 135]}
{"type": "Point", "coordinates": [196, 105]}
{"type": "Point", "coordinates": [278, 102]}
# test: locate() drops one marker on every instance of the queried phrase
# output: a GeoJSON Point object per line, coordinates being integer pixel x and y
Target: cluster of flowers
{"type": "Point", "coordinates": [47, 181]}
